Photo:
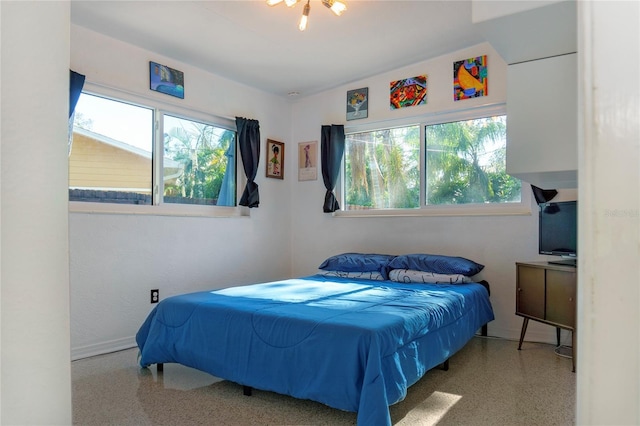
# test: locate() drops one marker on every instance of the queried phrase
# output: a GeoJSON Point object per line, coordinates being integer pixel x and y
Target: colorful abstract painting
{"type": "Point", "coordinates": [408, 92]}
{"type": "Point", "coordinates": [470, 78]}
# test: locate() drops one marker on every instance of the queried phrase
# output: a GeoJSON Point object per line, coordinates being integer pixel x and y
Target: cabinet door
{"type": "Point", "coordinates": [561, 297]}
{"type": "Point", "coordinates": [542, 121]}
{"type": "Point", "coordinates": [530, 292]}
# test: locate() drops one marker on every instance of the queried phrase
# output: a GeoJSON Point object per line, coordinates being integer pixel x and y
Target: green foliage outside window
{"type": "Point", "coordinates": [465, 164]}
{"type": "Point", "coordinates": [200, 149]}
{"type": "Point", "coordinates": [382, 169]}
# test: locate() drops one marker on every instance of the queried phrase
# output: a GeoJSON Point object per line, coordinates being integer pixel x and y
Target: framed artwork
{"type": "Point", "coordinates": [307, 160]}
{"type": "Point", "coordinates": [275, 159]}
{"type": "Point", "coordinates": [408, 92]}
{"type": "Point", "coordinates": [166, 80]}
{"type": "Point", "coordinates": [470, 78]}
{"type": "Point", "coordinates": [357, 103]}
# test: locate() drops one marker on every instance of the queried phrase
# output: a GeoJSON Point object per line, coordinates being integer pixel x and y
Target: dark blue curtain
{"type": "Point", "coordinates": [76, 82]}
{"type": "Point", "coordinates": [249, 144]}
{"type": "Point", "coordinates": [332, 148]}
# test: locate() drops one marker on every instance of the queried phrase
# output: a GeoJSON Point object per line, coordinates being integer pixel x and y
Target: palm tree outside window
{"type": "Point", "coordinates": [464, 163]}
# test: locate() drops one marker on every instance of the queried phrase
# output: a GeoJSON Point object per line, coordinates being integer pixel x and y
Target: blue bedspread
{"type": "Point", "coordinates": [355, 345]}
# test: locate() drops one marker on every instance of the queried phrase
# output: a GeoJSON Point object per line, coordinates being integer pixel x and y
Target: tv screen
{"type": "Point", "coordinates": [559, 229]}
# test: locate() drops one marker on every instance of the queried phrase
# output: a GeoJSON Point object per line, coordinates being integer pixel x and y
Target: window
{"type": "Point", "coordinates": [196, 161]}
{"type": "Point", "coordinates": [111, 152]}
{"type": "Point", "coordinates": [382, 169]}
{"type": "Point", "coordinates": [114, 159]}
{"type": "Point", "coordinates": [466, 163]}
{"type": "Point", "coordinates": [430, 165]}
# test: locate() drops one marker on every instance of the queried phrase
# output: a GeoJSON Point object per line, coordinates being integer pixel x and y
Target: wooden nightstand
{"type": "Point", "coordinates": [547, 293]}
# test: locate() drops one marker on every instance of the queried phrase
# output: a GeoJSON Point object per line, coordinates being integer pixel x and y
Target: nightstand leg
{"type": "Point", "coordinates": [558, 335]}
{"type": "Point", "coordinates": [574, 350]}
{"type": "Point", "coordinates": [525, 322]}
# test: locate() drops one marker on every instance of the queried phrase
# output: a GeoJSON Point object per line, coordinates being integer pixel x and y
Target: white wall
{"type": "Point", "coordinates": [117, 259]}
{"type": "Point", "coordinates": [608, 386]}
{"type": "Point", "coordinates": [36, 377]}
{"type": "Point", "coordinates": [495, 241]}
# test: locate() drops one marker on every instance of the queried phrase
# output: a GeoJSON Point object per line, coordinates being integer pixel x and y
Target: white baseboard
{"type": "Point", "coordinates": [533, 334]}
{"type": "Point", "coordinates": [103, 348]}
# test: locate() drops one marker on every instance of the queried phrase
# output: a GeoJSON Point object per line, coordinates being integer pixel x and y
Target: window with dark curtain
{"type": "Point", "coordinates": [249, 144]}
{"type": "Point", "coordinates": [332, 149]}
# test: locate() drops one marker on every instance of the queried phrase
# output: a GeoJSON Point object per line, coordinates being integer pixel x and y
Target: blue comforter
{"type": "Point", "coordinates": [355, 345]}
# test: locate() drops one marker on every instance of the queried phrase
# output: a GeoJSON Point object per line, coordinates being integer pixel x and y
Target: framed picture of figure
{"type": "Point", "coordinates": [275, 159]}
{"type": "Point", "coordinates": [307, 161]}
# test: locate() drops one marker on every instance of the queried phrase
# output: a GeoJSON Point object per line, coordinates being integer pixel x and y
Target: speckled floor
{"type": "Point", "coordinates": [489, 382]}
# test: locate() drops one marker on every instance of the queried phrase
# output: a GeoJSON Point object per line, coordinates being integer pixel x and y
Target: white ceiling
{"type": "Point", "coordinates": [261, 46]}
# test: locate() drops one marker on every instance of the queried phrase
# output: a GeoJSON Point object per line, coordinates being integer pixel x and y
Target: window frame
{"type": "Point", "coordinates": [490, 209]}
{"type": "Point", "coordinates": [158, 207]}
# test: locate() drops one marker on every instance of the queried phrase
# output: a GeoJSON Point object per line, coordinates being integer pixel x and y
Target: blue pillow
{"type": "Point", "coordinates": [358, 262]}
{"type": "Point", "coordinates": [436, 263]}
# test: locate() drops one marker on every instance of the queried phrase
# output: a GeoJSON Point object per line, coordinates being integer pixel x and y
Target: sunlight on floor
{"type": "Point", "coordinates": [432, 409]}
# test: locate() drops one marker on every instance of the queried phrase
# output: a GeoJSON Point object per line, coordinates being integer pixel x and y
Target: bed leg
{"type": "Point", "coordinates": [445, 365]}
{"type": "Point", "coordinates": [484, 330]}
{"type": "Point", "coordinates": [160, 367]}
{"type": "Point", "coordinates": [246, 390]}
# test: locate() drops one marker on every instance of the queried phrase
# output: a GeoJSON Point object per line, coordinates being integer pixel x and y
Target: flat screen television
{"type": "Point", "coordinates": [558, 231]}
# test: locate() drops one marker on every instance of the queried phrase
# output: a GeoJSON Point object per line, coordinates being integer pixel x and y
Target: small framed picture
{"type": "Point", "coordinates": [308, 161]}
{"type": "Point", "coordinates": [358, 103]}
{"type": "Point", "coordinates": [166, 80]}
{"type": "Point", "coordinates": [275, 159]}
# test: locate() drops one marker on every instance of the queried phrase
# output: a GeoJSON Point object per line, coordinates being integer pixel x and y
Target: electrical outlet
{"type": "Point", "coordinates": [155, 296]}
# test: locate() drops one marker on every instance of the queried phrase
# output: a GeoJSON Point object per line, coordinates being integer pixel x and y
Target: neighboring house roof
{"type": "Point", "coordinates": [168, 163]}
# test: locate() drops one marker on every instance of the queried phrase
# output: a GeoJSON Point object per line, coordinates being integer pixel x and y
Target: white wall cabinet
{"type": "Point", "coordinates": [538, 39]}
{"type": "Point", "coordinates": [542, 121]}
{"type": "Point", "coordinates": [525, 30]}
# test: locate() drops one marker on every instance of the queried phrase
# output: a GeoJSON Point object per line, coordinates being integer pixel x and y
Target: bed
{"type": "Point", "coordinates": [354, 340]}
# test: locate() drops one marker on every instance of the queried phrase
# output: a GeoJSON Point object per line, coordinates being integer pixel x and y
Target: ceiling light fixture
{"type": "Point", "coordinates": [336, 6]}
{"type": "Point", "coordinates": [305, 17]}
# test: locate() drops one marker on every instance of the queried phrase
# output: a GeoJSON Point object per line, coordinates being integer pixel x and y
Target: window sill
{"type": "Point", "coordinates": [515, 209]}
{"type": "Point", "coordinates": [161, 210]}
